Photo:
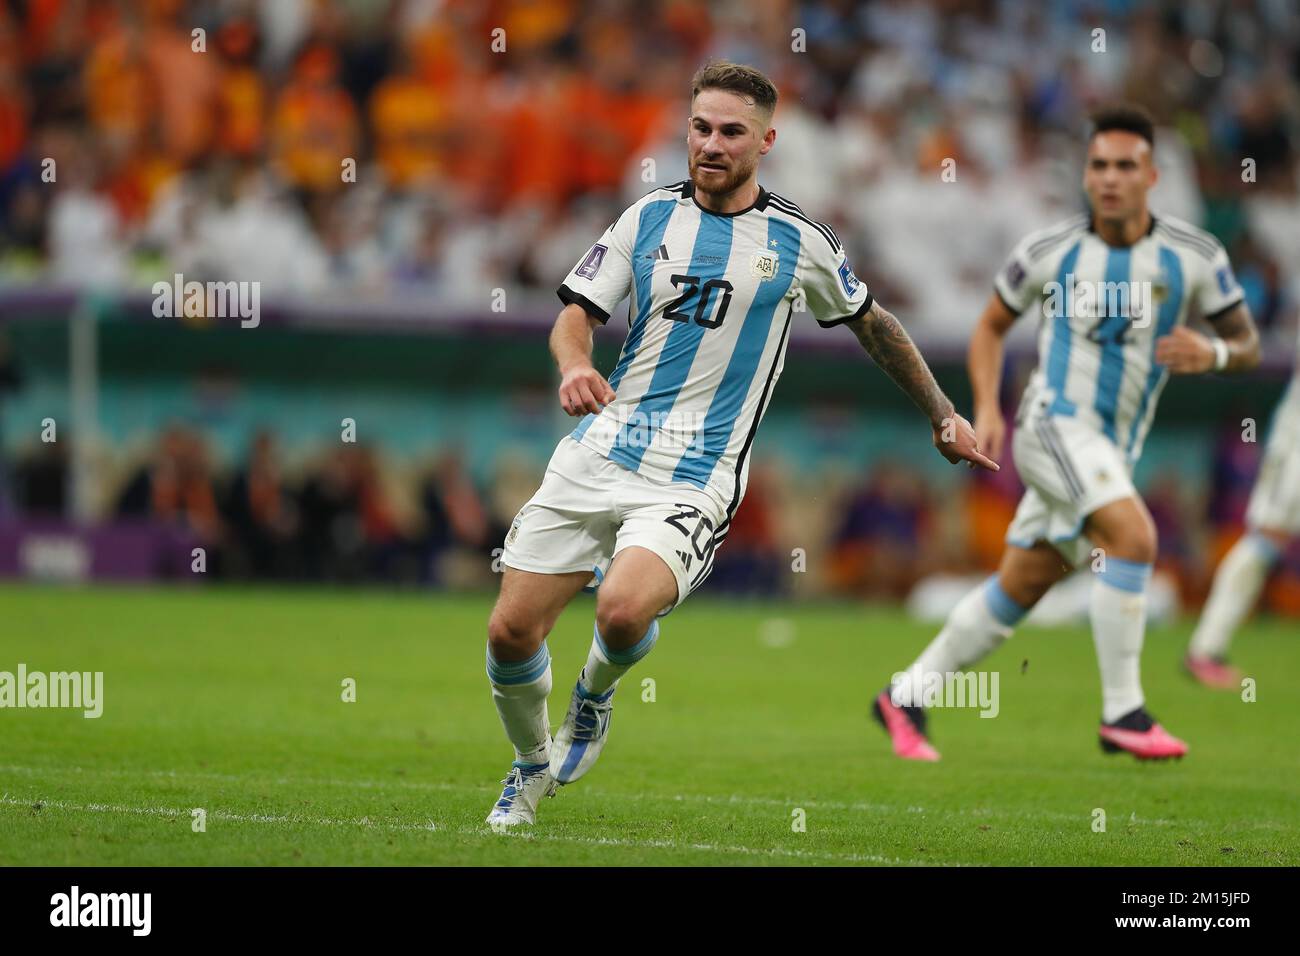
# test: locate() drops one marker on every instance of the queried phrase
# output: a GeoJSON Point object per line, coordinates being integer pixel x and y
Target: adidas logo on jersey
{"type": "Point", "coordinates": [660, 254]}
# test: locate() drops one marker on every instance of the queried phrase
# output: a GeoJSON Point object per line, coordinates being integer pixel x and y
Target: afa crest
{"type": "Point", "coordinates": [1160, 288]}
{"type": "Point", "coordinates": [763, 265]}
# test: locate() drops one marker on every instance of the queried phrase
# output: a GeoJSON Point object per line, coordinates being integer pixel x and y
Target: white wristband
{"type": "Point", "coordinates": [1220, 353]}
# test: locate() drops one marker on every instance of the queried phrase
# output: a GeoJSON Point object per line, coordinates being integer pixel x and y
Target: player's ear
{"type": "Point", "coordinates": [769, 138]}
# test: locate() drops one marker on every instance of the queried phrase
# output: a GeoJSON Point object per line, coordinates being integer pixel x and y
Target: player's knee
{"type": "Point", "coordinates": [1123, 531]}
{"type": "Point", "coordinates": [1144, 546]}
{"type": "Point", "coordinates": [1135, 541]}
{"type": "Point", "coordinates": [1133, 546]}
{"type": "Point", "coordinates": [513, 640]}
{"type": "Point", "coordinates": [622, 621]}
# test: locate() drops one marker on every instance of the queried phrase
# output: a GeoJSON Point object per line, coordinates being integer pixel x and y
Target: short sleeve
{"type": "Point", "coordinates": [1015, 283]}
{"type": "Point", "coordinates": [1217, 291]}
{"type": "Point", "coordinates": [603, 276]}
{"type": "Point", "coordinates": [833, 293]}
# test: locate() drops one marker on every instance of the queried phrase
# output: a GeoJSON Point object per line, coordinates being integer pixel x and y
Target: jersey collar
{"type": "Point", "coordinates": [760, 203]}
{"type": "Point", "coordinates": [1092, 228]}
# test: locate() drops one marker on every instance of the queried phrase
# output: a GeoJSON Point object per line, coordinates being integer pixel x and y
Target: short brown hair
{"type": "Point", "coordinates": [735, 78]}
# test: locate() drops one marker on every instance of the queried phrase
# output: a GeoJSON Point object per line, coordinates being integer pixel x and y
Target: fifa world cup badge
{"type": "Point", "coordinates": [763, 265]}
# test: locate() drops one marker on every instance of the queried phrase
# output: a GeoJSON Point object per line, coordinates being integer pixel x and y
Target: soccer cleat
{"type": "Point", "coordinates": [582, 736]}
{"type": "Point", "coordinates": [1212, 672]}
{"type": "Point", "coordinates": [1138, 733]}
{"type": "Point", "coordinates": [905, 726]}
{"type": "Point", "coordinates": [523, 789]}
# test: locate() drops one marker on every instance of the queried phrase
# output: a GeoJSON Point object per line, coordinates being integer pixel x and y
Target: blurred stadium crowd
{"type": "Point", "coordinates": [350, 514]}
{"type": "Point", "coordinates": [478, 169]}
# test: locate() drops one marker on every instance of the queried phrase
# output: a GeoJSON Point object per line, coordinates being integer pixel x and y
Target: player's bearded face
{"type": "Point", "coordinates": [723, 142]}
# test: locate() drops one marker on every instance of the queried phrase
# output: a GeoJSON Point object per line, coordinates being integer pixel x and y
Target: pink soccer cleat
{"type": "Point", "coordinates": [1138, 733]}
{"type": "Point", "coordinates": [1212, 672]}
{"type": "Point", "coordinates": [905, 726]}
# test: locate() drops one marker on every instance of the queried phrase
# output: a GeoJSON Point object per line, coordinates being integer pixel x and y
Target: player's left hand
{"type": "Point", "coordinates": [955, 439]}
{"type": "Point", "coordinates": [1185, 352]}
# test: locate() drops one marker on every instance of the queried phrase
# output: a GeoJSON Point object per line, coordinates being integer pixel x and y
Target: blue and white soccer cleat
{"type": "Point", "coordinates": [581, 737]}
{"type": "Point", "coordinates": [523, 789]}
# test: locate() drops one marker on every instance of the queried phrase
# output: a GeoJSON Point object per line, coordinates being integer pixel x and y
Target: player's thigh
{"type": "Point", "coordinates": [1028, 572]}
{"type": "Point", "coordinates": [527, 608]}
{"type": "Point", "coordinates": [675, 525]}
{"type": "Point", "coordinates": [1123, 529]}
{"type": "Point", "coordinates": [1079, 482]}
{"type": "Point", "coordinates": [638, 586]}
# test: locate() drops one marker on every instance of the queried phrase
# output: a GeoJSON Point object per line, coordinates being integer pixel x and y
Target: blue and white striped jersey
{"type": "Point", "coordinates": [712, 296]}
{"type": "Point", "coordinates": [1103, 308]}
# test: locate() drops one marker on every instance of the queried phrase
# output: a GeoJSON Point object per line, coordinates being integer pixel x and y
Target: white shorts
{"type": "Point", "coordinates": [1069, 470]}
{"type": "Point", "coordinates": [1275, 500]}
{"type": "Point", "coordinates": [588, 509]}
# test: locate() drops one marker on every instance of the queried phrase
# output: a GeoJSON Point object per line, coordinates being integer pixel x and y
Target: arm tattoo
{"type": "Point", "coordinates": [1238, 329]}
{"type": "Point", "coordinates": [888, 343]}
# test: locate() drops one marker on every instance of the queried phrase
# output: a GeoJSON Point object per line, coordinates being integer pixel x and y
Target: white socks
{"type": "Point", "coordinates": [985, 617]}
{"type": "Point", "coordinates": [520, 689]}
{"type": "Point", "coordinates": [1119, 617]}
{"type": "Point", "coordinates": [605, 665]}
{"type": "Point", "coordinates": [1237, 584]}
{"type": "Point", "coordinates": [979, 622]}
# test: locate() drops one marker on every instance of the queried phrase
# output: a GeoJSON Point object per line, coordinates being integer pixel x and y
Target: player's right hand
{"type": "Point", "coordinates": [584, 390]}
{"type": "Point", "coordinates": [990, 433]}
{"type": "Point", "coordinates": [955, 439]}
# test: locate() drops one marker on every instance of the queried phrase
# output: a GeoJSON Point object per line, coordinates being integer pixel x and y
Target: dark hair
{"type": "Point", "coordinates": [1127, 117]}
{"type": "Point", "coordinates": [735, 78]}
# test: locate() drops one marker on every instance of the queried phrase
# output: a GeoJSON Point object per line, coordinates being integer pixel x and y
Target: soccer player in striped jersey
{"type": "Point", "coordinates": [643, 490]}
{"type": "Point", "coordinates": [1272, 520]}
{"type": "Point", "coordinates": [1113, 289]}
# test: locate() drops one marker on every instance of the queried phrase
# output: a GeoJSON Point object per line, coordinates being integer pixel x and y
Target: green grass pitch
{"type": "Point", "coordinates": [231, 701]}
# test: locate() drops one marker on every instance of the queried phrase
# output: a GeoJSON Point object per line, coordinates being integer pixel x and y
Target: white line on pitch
{"type": "Point", "coordinates": [719, 799]}
{"type": "Point", "coordinates": [174, 813]}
